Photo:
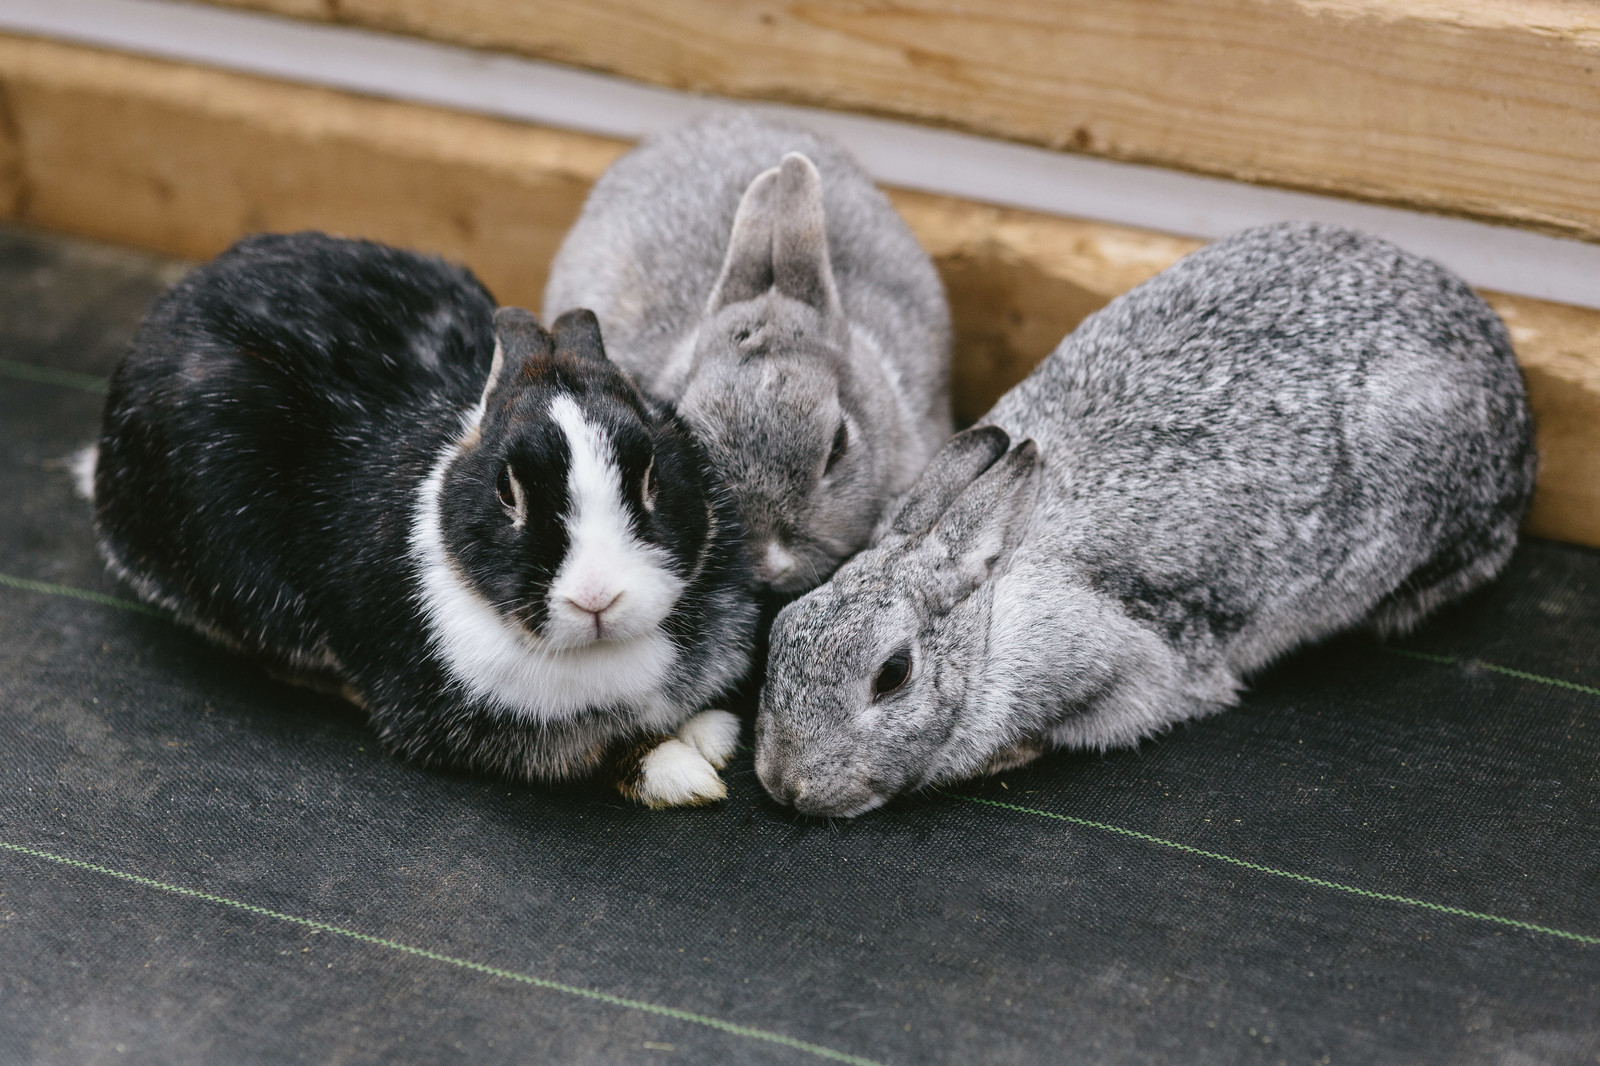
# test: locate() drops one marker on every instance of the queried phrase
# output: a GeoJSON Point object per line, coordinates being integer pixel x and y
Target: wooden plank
{"type": "Point", "coordinates": [1489, 110]}
{"type": "Point", "coordinates": [1559, 349]}
{"type": "Point", "coordinates": [185, 160]}
{"type": "Point", "coordinates": [1019, 281]}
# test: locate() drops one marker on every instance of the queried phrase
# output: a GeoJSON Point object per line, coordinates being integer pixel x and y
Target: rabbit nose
{"type": "Point", "coordinates": [596, 603]}
{"type": "Point", "coordinates": [770, 773]}
{"type": "Point", "coordinates": [775, 563]}
{"type": "Point", "coordinates": [834, 800]}
{"type": "Point", "coordinates": [785, 793]}
{"type": "Point", "coordinates": [824, 795]}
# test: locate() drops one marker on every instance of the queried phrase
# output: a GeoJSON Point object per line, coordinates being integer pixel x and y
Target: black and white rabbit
{"type": "Point", "coordinates": [339, 458]}
{"type": "Point", "coordinates": [1294, 431]}
{"type": "Point", "coordinates": [753, 275]}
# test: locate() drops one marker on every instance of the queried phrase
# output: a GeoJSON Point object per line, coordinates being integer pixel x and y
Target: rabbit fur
{"type": "Point", "coordinates": [1294, 431]}
{"type": "Point", "coordinates": [752, 274]}
{"type": "Point", "coordinates": [339, 458]}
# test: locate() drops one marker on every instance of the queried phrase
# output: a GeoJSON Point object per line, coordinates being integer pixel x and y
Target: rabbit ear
{"type": "Point", "coordinates": [780, 241]}
{"type": "Point", "coordinates": [577, 335]}
{"type": "Point", "coordinates": [977, 534]}
{"type": "Point", "coordinates": [965, 456]}
{"type": "Point", "coordinates": [801, 269]}
{"type": "Point", "coordinates": [517, 336]}
{"type": "Point", "coordinates": [747, 270]}
{"type": "Point", "coordinates": [520, 335]}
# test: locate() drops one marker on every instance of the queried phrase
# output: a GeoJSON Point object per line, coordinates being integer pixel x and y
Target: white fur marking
{"type": "Point", "coordinates": [675, 775]}
{"type": "Point", "coordinates": [775, 562]}
{"type": "Point", "coordinates": [498, 660]}
{"type": "Point", "coordinates": [610, 586]}
{"type": "Point", "coordinates": [714, 734]}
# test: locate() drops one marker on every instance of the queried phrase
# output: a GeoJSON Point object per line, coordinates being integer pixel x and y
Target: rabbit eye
{"type": "Point", "coordinates": [509, 490]}
{"type": "Point", "coordinates": [892, 675]}
{"type": "Point", "coordinates": [841, 441]}
{"type": "Point", "coordinates": [503, 489]}
{"type": "Point", "coordinates": [647, 487]}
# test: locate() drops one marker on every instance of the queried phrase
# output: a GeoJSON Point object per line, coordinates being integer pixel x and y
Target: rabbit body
{"type": "Point", "coordinates": [751, 274]}
{"type": "Point", "coordinates": [308, 454]}
{"type": "Point", "coordinates": [1294, 431]}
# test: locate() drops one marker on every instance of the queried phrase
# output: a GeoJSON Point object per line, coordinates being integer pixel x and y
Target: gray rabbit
{"type": "Point", "coordinates": [1294, 431]}
{"type": "Point", "coordinates": [752, 275]}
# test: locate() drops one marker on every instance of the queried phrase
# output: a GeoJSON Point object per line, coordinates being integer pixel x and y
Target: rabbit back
{"type": "Point", "coordinates": [269, 407]}
{"type": "Point", "coordinates": [1291, 431]}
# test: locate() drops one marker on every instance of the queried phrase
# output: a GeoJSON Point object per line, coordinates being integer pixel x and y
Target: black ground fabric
{"type": "Point", "coordinates": [1385, 855]}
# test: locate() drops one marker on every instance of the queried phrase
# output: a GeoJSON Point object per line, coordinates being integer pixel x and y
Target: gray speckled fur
{"type": "Point", "coordinates": [1294, 431]}
{"type": "Point", "coordinates": [646, 254]}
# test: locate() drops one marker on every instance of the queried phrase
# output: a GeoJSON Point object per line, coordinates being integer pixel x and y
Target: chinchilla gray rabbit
{"type": "Point", "coordinates": [1294, 431]}
{"type": "Point", "coordinates": [339, 458]}
{"type": "Point", "coordinates": [752, 275]}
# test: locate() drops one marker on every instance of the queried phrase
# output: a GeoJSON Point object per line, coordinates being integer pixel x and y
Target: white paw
{"type": "Point", "coordinates": [714, 734]}
{"type": "Point", "coordinates": [675, 775]}
{"type": "Point", "coordinates": [82, 463]}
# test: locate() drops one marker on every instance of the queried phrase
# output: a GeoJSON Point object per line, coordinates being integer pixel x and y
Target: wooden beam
{"type": "Point", "coordinates": [1489, 110]}
{"type": "Point", "coordinates": [185, 160]}
{"type": "Point", "coordinates": [1559, 349]}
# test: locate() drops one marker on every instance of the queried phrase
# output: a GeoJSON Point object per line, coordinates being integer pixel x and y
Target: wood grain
{"type": "Point", "coordinates": [1488, 109]}
{"type": "Point", "coordinates": [185, 160]}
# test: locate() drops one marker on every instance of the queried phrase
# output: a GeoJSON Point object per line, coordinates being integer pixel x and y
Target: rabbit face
{"type": "Point", "coordinates": [861, 693]}
{"type": "Point", "coordinates": [770, 403]}
{"type": "Point", "coordinates": [770, 391]}
{"type": "Point", "coordinates": [870, 678]}
{"type": "Point", "coordinates": [575, 514]}
{"type": "Point", "coordinates": [561, 535]}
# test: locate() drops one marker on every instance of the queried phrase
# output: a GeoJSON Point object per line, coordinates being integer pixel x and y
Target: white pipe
{"type": "Point", "coordinates": [897, 153]}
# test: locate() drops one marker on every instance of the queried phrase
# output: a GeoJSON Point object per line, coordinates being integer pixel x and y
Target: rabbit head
{"type": "Point", "coordinates": [871, 677]}
{"type": "Point", "coordinates": [578, 511]}
{"type": "Point", "coordinates": [772, 392]}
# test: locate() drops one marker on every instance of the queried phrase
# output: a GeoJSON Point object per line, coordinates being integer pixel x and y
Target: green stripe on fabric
{"type": "Point", "coordinates": [1522, 675]}
{"type": "Point", "coordinates": [101, 598]}
{"type": "Point", "coordinates": [451, 960]}
{"type": "Point", "coordinates": [1386, 897]}
{"type": "Point", "coordinates": [49, 375]}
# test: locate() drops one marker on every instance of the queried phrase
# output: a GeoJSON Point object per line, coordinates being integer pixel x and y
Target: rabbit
{"type": "Point", "coordinates": [339, 458]}
{"type": "Point", "coordinates": [1294, 431]}
{"type": "Point", "coordinates": [751, 274]}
